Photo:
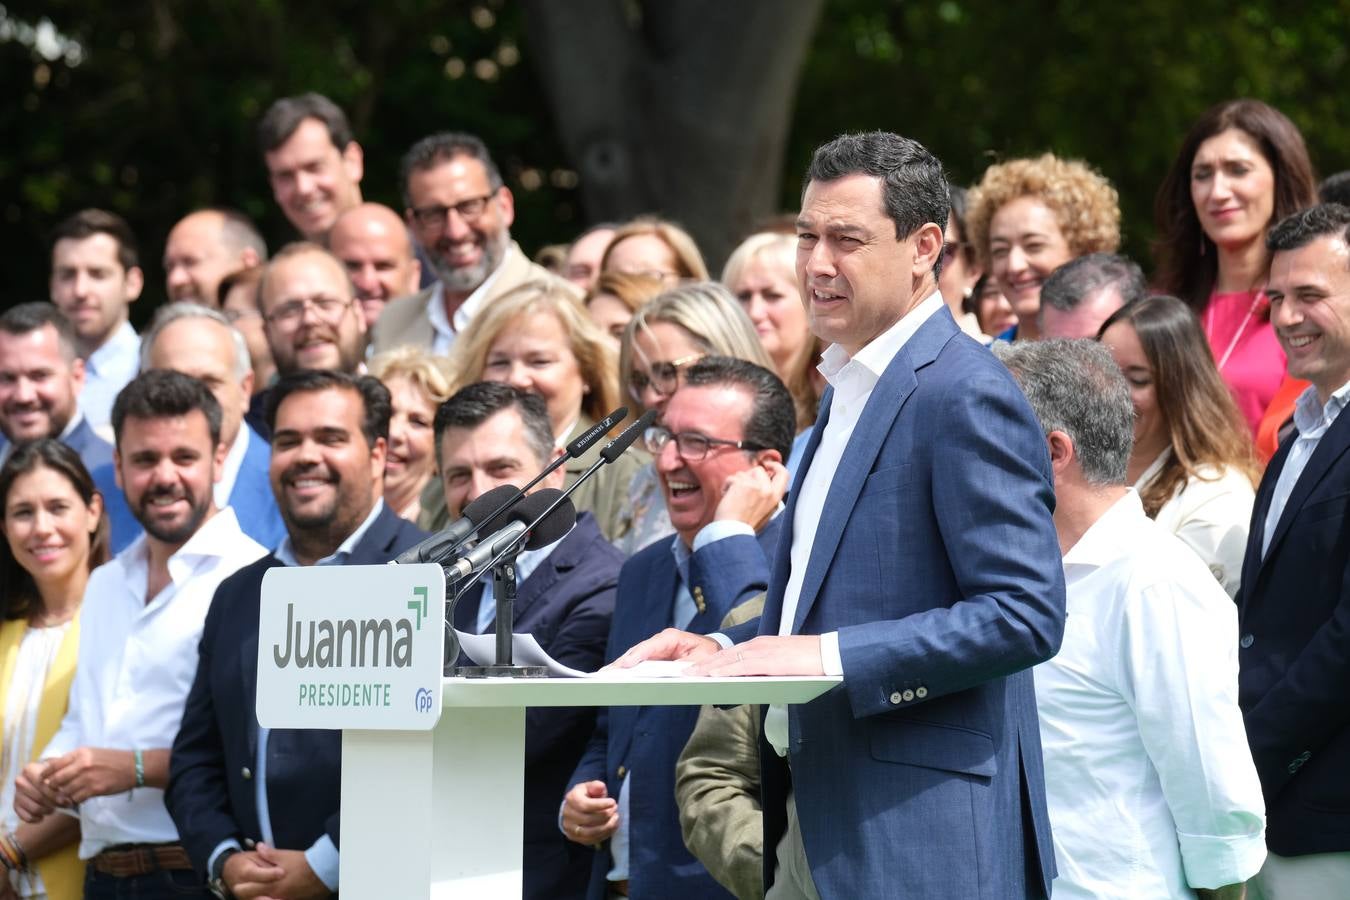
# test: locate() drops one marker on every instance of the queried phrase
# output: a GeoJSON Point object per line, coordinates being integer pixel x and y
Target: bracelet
{"type": "Point", "coordinates": [140, 767]}
{"type": "Point", "coordinates": [23, 855]}
{"type": "Point", "coordinates": [11, 853]}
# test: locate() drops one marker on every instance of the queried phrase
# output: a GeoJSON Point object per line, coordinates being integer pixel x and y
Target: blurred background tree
{"type": "Point", "coordinates": [148, 108]}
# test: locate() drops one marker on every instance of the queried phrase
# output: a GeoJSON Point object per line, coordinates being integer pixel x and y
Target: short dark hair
{"type": "Point", "coordinates": [1079, 278]}
{"type": "Point", "coordinates": [1335, 189]}
{"type": "Point", "coordinates": [474, 404]}
{"type": "Point", "coordinates": [443, 147]}
{"type": "Point", "coordinates": [773, 417]}
{"type": "Point", "coordinates": [375, 400]}
{"type": "Point", "coordinates": [914, 186]}
{"type": "Point", "coordinates": [164, 394]}
{"type": "Point", "coordinates": [285, 115]}
{"type": "Point", "coordinates": [37, 314]}
{"type": "Point", "coordinates": [1306, 226]}
{"type": "Point", "coordinates": [89, 222]}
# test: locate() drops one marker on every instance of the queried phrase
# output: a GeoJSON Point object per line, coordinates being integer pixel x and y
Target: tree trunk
{"type": "Point", "coordinates": [676, 107]}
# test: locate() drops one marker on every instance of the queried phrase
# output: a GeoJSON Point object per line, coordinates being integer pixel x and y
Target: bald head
{"type": "Point", "coordinates": [373, 244]}
{"type": "Point", "coordinates": [203, 248]}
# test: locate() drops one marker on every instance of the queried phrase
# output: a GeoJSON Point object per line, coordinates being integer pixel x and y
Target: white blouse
{"type": "Point", "coordinates": [1211, 513]}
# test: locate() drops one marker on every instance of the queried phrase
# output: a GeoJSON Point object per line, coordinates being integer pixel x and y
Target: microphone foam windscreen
{"type": "Point", "coordinates": [478, 510]}
{"type": "Point", "coordinates": [551, 527]}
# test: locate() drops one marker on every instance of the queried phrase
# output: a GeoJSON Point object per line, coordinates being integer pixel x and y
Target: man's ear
{"type": "Point", "coordinates": [928, 242]}
{"type": "Point", "coordinates": [1062, 451]}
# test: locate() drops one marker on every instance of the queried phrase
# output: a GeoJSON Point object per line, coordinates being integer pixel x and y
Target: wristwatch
{"type": "Point", "coordinates": [217, 885]}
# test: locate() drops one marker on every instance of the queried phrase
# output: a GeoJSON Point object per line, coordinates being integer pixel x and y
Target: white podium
{"type": "Point", "coordinates": [437, 814]}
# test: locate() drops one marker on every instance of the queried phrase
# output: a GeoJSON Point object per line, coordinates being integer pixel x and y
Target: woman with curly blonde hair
{"type": "Point", "coordinates": [1028, 217]}
{"type": "Point", "coordinates": [418, 383]}
{"type": "Point", "coordinates": [651, 246]}
{"type": "Point", "coordinates": [540, 339]}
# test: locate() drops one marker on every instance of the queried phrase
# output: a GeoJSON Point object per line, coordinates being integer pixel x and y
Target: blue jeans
{"type": "Point", "coordinates": [161, 885]}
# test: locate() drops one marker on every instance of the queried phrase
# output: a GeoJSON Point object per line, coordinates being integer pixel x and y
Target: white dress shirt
{"type": "Point", "coordinates": [136, 664]}
{"type": "Point", "coordinates": [444, 329]}
{"type": "Point", "coordinates": [106, 372]}
{"type": "Point", "coordinates": [1312, 420]}
{"type": "Point", "coordinates": [853, 381]}
{"type": "Point", "coordinates": [1210, 513]}
{"type": "Point", "coordinates": [1150, 786]}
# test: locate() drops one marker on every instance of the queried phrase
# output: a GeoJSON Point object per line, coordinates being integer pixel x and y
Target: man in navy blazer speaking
{"type": "Point", "coordinates": [918, 560]}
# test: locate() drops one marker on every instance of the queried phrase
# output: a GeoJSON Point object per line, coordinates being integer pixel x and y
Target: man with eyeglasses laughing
{"type": "Point", "coordinates": [460, 212]}
{"type": "Point", "coordinates": [719, 449]}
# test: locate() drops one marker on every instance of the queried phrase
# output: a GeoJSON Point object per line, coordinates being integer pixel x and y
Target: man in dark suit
{"type": "Point", "coordinates": [720, 446]}
{"type": "Point", "coordinates": [1294, 602]}
{"type": "Point", "coordinates": [919, 561]}
{"type": "Point", "coordinates": [41, 376]}
{"type": "Point", "coordinates": [189, 338]}
{"type": "Point", "coordinates": [257, 807]}
{"type": "Point", "coordinates": [489, 434]}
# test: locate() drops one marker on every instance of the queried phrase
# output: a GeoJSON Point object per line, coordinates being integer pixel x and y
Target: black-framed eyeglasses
{"type": "Point", "coordinates": [469, 210]}
{"type": "Point", "coordinates": [330, 309]}
{"type": "Point", "coordinates": [691, 445]}
{"type": "Point", "coordinates": [664, 377]}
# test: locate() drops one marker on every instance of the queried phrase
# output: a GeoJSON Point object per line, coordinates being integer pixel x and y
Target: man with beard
{"type": "Point", "coordinates": [373, 243]}
{"type": "Point", "coordinates": [203, 248]}
{"type": "Point", "coordinates": [41, 375]}
{"type": "Point", "coordinates": [257, 808]}
{"type": "Point", "coordinates": [142, 619]}
{"type": "Point", "coordinates": [460, 212]}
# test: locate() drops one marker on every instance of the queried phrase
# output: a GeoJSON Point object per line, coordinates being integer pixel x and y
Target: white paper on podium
{"type": "Point", "coordinates": [525, 651]}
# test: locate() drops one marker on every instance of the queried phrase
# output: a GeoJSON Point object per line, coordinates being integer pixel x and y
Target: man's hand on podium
{"type": "Point", "coordinates": [669, 644]}
{"type": "Point", "coordinates": [797, 654]}
{"type": "Point", "coordinates": [589, 814]}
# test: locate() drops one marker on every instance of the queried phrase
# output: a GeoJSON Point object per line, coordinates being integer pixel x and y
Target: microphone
{"type": "Point", "coordinates": [615, 448]}
{"type": "Point", "coordinates": [574, 450]}
{"type": "Point", "coordinates": [441, 545]}
{"type": "Point", "coordinates": [538, 520]}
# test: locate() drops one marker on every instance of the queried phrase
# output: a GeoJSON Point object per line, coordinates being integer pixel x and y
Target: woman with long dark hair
{"type": "Point", "coordinates": [1241, 168]}
{"type": "Point", "coordinates": [1192, 462]}
{"type": "Point", "coordinates": [55, 534]}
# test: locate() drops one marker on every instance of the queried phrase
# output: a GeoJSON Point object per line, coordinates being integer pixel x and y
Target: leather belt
{"type": "Point", "coordinates": [130, 860]}
{"type": "Point", "coordinates": [618, 888]}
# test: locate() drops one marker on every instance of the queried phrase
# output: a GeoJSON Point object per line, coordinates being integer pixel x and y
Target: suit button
{"type": "Point", "coordinates": [921, 692]}
{"type": "Point", "coordinates": [249, 843]}
{"type": "Point", "coordinates": [897, 698]}
{"type": "Point", "coordinates": [908, 695]}
{"type": "Point", "coordinates": [1293, 766]}
{"type": "Point", "coordinates": [622, 772]}
{"type": "Point", "coordinates": [1305, 756]}
{"type": "Point", "coordinates": [247, 773]}
{"type": "Point", "coordinates": [1247, 641]}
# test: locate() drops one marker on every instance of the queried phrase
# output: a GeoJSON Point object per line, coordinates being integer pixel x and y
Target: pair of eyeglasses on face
{"type": "Point", "coordinates": [289, 314]}
{"type": "Point", "coordinates": [664, 377]}
{"type": "Point", "coordinates": [469, 210]}
{"type": "Point", "coordinates": [691, 445]}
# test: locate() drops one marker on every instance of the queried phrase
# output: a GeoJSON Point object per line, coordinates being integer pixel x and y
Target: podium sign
{"type": "Point", "coordinates": [351, 647]}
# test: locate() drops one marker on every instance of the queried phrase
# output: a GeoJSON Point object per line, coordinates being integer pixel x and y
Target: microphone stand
{"type": "Point", "coordinates": [504, 584]}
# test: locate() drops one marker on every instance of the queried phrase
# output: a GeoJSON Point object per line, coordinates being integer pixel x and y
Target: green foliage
{"type": "Point", "coordinates": [157, 116]}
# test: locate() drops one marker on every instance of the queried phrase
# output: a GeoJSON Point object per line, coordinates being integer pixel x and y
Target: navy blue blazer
{"type": "Point", "coordinates": [251, 498]}
{"type": "Point", "coordinates": [936, 561]}
{"type": "Point", "coordinates": [94, 451]}
{"type": "Point", "coordinates": [1294, 653]}
{"type": "Point", "coordinates": [211, 791]}
{"type": "Point", "coordinates": [648, 739]}
{"type": "Point", "coordinates": [566, 603]}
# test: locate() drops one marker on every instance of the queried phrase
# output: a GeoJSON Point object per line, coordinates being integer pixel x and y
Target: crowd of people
{"type": "Point", "coordinates": [1074, 538]}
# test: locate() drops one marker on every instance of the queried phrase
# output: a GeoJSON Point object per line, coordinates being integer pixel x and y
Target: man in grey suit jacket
{"type": "Point", "coordinates": [460, 212]}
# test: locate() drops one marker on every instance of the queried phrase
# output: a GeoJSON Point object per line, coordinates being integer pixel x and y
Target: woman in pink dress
{"type": "Point", "coordinates": [1242, 167]}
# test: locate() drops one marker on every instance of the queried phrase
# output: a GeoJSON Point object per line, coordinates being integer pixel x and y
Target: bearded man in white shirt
{"type": "Point", "coordinates": [142, 618]}
{"type": "Point", "coordinates": [1151, 788]}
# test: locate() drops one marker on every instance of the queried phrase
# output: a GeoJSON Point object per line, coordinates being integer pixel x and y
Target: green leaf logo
{"type": "Point", "coordinates": [419, 606]}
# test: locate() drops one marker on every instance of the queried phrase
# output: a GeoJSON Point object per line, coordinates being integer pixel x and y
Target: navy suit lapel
{"type": "Point", "coordinates": [874, 424]}
{"type": "Point", "coordinates": [1330, 448]}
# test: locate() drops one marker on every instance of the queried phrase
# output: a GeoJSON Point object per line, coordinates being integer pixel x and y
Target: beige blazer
{"type": "Point", "coordinates": [404, 321]}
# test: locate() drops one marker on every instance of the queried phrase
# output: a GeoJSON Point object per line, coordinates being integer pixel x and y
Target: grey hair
{"type": "Point", "coordinates": [1076, 387]}
{"type": "Point", "coordinates": [184, 309]}
{"type": "Point", "coordinates": [1078, 279]}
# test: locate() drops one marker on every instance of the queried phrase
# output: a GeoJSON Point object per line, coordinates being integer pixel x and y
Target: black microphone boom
{"type": "Point", "coordinates": [440, 546]}
{"type": "Point", "coordinates": [596, 432]}
{"type": "Point", "coordinates": [615, 448]}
